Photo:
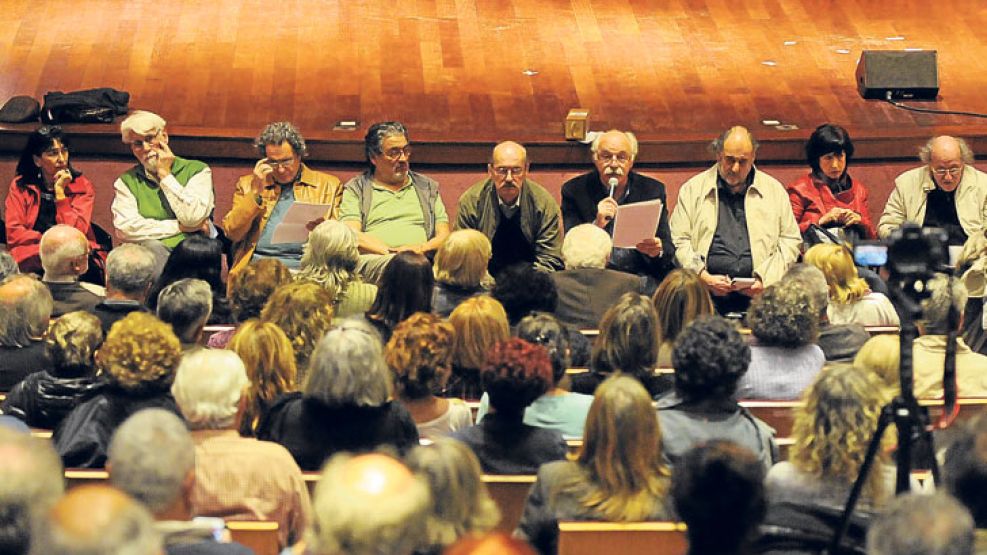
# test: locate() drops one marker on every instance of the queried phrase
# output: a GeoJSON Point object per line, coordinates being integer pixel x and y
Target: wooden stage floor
{"type": "Point", "coordinates": [676, 72]}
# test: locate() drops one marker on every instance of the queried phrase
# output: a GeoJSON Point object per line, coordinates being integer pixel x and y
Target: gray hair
{"type": "Point", "coordinates": [944, 292]}
{"type": "Point", "coordinates": [131, 269]}
{"type": "Point", "coordinates": [59, 246]}
{"type": "Point", "coordinates": [8, 266]}
{"type": "Point", "coordinates": [594, 147]}
{"type": "Point", "coordinates": [141, 123]}
{"type": "Point", "coordinates": [586, 246]}
{"type": "Point", "coordinates": [281, 132]}
{"type": "Point", "coordinates": [25, 309]}
{"type": "Point", "coordinates": [915, 524]}
{"type": "Point", "coordinates": [813, 280]}
{"type": "Point", "coordinates": [186, 305]}
{"type": "Point", "coordinates": [208, 386]}
{"type": "Point", "coordinates": [347, 367]}
{"type": "Point", "coordinates": [378, 132]}
{"type": "Point", "coordinates": [150, 457]}
{"type": "Point", "coordinates": [330, 257]}
{"type": "Point", "coordinates": [32, 482]}
{"type": "Point", "coordinates": [716, 146]}
{"type": "Point", "coordinates": [966, 153]}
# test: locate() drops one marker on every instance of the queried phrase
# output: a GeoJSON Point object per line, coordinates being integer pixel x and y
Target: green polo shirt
{"type": "Point", "coordinates": [395, 217]}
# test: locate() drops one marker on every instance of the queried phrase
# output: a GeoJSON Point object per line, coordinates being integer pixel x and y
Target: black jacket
{"type": "Point", "coordinates": [43, 400]}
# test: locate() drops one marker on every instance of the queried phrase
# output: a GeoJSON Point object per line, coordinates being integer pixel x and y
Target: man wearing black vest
{"type": "Point", "coordinates": [519, 216]}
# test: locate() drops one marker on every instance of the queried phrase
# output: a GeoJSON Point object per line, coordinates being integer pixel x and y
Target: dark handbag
{"type": "Point", "coordinates": [817, 235]}
{"type": "Point", "coordinates": [88, 106]}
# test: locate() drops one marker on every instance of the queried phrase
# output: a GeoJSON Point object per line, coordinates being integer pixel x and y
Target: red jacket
{"type": "Point", "coordinates": [811, 199]}
{"type": "Point", "coordinates": [22, 206]}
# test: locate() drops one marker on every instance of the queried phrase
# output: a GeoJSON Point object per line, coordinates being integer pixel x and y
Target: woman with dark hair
{"type": "Point", "coordinates": [828, 196]}
{"type": "Point", "coordinates": [47, 191]}
{"type": "Point", "coordinates": [198, 257]}
{"type": "Point", "coordinates": [405, 288]}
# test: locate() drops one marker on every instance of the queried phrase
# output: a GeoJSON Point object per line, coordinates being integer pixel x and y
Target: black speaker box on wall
{"type": "Point", "coordinates": [905, 74]}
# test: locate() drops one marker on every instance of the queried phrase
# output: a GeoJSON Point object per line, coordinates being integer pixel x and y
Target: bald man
{"type": "Point", "coordinates": [519, 216]}
{"type": "Point", "coordinates": [588, 199]}
{"type": "Point", "coordinates": [65, 257]}
{"type": "Point", "coordinates": [733, 225]}
{"type": "Point", "coordinates": [946, 192]}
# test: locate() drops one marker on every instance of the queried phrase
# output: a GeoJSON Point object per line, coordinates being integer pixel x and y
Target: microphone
{"type": "Point", "coordinates": [612, 182]}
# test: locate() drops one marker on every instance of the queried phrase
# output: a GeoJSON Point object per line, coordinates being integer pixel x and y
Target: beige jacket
{"type": "Point", "coordinates": [774, 233]}
{"type": "Point", "coordinates": [928, 357]}
{"type": "Point", "coordinates": [907, 200]}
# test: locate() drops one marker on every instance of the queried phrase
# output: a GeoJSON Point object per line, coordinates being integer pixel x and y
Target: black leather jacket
{"type": "Point", "coordinates": [43, 400]}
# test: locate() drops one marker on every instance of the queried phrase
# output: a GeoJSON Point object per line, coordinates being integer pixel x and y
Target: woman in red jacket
{"type": "Point", "coordinates": [828, 196]}
{"type": "Point", "coordinates": [46, 191]}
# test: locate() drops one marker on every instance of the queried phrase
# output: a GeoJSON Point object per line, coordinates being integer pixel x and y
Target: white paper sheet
{"type": "Point", "coordinates": [293, 228]}
{"type": "Point", "coordinates": [636, 222]}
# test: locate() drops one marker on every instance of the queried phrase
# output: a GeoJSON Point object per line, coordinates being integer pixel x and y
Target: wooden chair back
{"type": "Point", "coordinates": [626, 538]}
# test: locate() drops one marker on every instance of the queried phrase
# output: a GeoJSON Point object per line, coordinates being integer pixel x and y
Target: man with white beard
{"type": "Point", "coordinates": [162, 198]}
{"type": "Point", "coordinates": [593, 198]}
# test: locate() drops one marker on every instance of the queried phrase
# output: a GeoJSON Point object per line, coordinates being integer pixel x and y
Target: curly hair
{"type": "Point", "coordinates": [680, 298]}
{"type": "Point", "coordinates": [419, 354]}
{"type": "Point", "coordinates": [784, 316]}
{"type": "Point", "coordinates": [479, 323]}
{"type": "Point", "coordinates": [832, 430]}
{"type": "Point", "coordinates": [71, 343]}
{"type": "Point", "coordinates": [836, 263]}
{"type": "Point", "coordinates": [140, 353]}
{"type": "Point", "coordinates": [269, 359]}
{"type": "Point", "coordinates": [330, 257]}
{"type": "Point", "coordinates": [281, 132]}
{"type": "Point", "coordinates": [303, 311]}
{"type": "Point", "coordinates": [628, 340]}
{"type": "Point", "coordinates": [709, 358]}
{"type": "Point", "coordinates": [252, 287]}
{"type": "Point", "coordinates": [516, 374]}
{"type": "Point", "coordinates": [523, 290]}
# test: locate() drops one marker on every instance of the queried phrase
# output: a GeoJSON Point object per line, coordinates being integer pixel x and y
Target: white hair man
{"type": "Point", "coordinates": [152, 458]}
{"type": "Point", "coordinates": [733, 225]}
{"type": "Point", "coordinates": [587, 289]}
{"type": "Point", "coordinates": [25, 310]}
{"type": "Point", "coordinates": [237, 477]}
{"type": "Point", "coordinates": [163, 197]}
{"type": "Point", "coordinates": [130, 273]}
{"type": "Point", "coordinates": [945, 192]}
{"type": "Point", "coordinates": [186, 305]}
{"type": "Point", "coordinates": [64, 254]}
{"type": "Point", "coordinates": [839, 342]}
{"type": "Point", "coordinates": [30, 483]}
{"type": "Point", "coordinates": [593, 198]}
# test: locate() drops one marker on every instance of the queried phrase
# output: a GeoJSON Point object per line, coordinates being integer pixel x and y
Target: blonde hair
{"type": "Point", "coordinates": [680, 298]}
{"type": "Point", "coordinates": [140, 353]}
{"type": "Point", "coordinates": [269, 359]}
{"type": "Point", "coordinates": [881, 356]}
{"type": "Point", "coordinates": [303, 311]}
{"type": "Point", "coordinates": [462, 260]}
{"type": "Point", "coordinates": [71, 342]}
{"type": "Point", "coordinates": [330, 257]}
{"type": "Point", "coordinates": [480, 323]}
{"type": "Point", "coordinates": [836, 263]}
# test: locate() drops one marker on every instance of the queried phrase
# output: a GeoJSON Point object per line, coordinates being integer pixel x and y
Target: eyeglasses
{"type": "Point", "coordinates": [504, 172]}
{"type": "Point", "coordinates": [952, 172]}
{"type": "Point", "coordinates": [145, 141]}
{"type": "Point", "coordinates": [286, 163]}
{"type": "Point", "coordinates": [395, 153]}
{"type": "Point", "coordinates": [621, 157]}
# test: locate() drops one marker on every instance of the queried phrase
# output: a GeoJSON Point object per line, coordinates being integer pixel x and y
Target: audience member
{"type": "Point", "coordinates": [249, 291]}
{"type": "Point", "coordinates": [405, 288]}
{"type": "Point", "coordinates": [965, 472]}
{"type": "Point", "coordinates": [269, 358]}
{"type": "Point", "coordinates": [680, 298]}
{"type": "Point", "coordinates": [519, 216]}
{"type": "Point", "coordinates": [348, 385]}
{"type": "Point", "coordinates": [460, 270]}
{"type": "Point", "coordinates": [44, 398]}
{"type": "Point", "coordinates": [479, 323]}
{"type": "Point", "coordinates": [196, 257]}
{"type": "Point", "coordinates": [617, 476]}
{"type": "Point", "coordinates": [586, 288]}
{"type": "Point", "coordinates": [25, 310]}
{"type": "Point", "coordinates": [8, 266]}
{"type": "Point", "coordinates": [922, 525]}
{"type": "Point", "coordinates": [152, 459]}
{"type": "Point", "coordinates": [30, 482]}
{"type": "Point", "coordinates": [138, 361]}
{"type": "Point", "coordinates": [881, 356]}
{"type": "Point", "coordinates": [236, 477]}
{"type": "Point", "coordinates": [419, 355]}
{"type": "Point", "coordinates": [330, 259]}
{"type": "Point", "coordinates": [65, 257]}
{"type": "Point", "coordinates": [303, 311]}
{"type": "Point", "coordinates": [710, 357]}
{"type": "Point", "coordinates": [784, 358]}
{"type": "Point", "coordinates": [851, 300]}
{"type": "Point", "coordinates": [129, 278]}
{"type": "Point", "coordinates": [186, 305]}
{"type": "Point", "coordinates": [461, 504]}
{"type": "Point", "coordinates": [516, 373]}
{"type": "Point", "coordinates": [839, 342]}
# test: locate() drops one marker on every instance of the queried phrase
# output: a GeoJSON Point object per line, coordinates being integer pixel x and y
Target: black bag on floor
{"type": "Point", "coordinates": [89, 106]}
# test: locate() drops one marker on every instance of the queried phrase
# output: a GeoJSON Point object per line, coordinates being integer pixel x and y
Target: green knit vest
{"type": "Point", "coordinates": [151, 201]}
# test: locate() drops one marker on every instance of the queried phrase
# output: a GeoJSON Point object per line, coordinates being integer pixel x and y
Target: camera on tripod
{"type": "Point", "coordinates": [912, 255]}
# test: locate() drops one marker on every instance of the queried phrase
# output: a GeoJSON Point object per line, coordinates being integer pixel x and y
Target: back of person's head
{"type": "Point", "coordinates": [152, 458]}
{"type": "Point", "coordinates": [522, 289]}
{"type": "Point", "coordinates": [462, 260]}
{"type": "Point", "coordinates": [303, 311]}
{"type": "Point", "coordinates": [965, 469]}
{"type": "Point", "coordinates": [96, 520]}
{"type": "Point", "coordinates": [25, 310]}
{"type": "Point", "coordinates": [709, 358]}
{"type": "Point", "coordinates": [718, 490]}
{"type": "Point", "coordinates": [197, 256]}
{"type": "Point", "coordinates": [914, 524]}
{"type": "Point", "coordinates": [269, 360]}
{"type": "Point", "coordinates": [330, 256]}
{"type": "Point", "coordinates": [479, 323]}
{"type": "Point", "coordinates": [586, 246]}
{"type": "Point", "coordinates": [621, 451]}
{"type": "Point", "coordinates": [208, 386]}
{"type": "Point", "coordinates": [30, 482]}
{"type": "Point", "coordinates": [628, 340]}
{"type": "Point", "coordinates": [140, 353]}
{"type": "Point", "coordinates": [516, 374]}
{"type": "Point", "coordinates": [130, 270]}
{"type": "Point", "coordinates": [348, 368]}
{"type": "Point", "coordinates": [944, 293]}
{"type": "Point", "coordinates": [367, 505]}
{"type": "Point", "coordinates": [784, 316]}
{"type": "Point", "coordinates": [405, 288]}
{"type": "Point", "coordinates": [680, 298]}
{"type": "Point", "coordinates": [814, 282]}
{"type": "Point", "coordinates": [8, 265]}
{"type": "Point", "coordinates": [419, 355]}
{"type": "Point", "coordinates": [64, 252]}
{"type": "Point", "coordinates": [186, 304]}
{"type": "Point", "coordinates": [460, 502]}
{"type": "Point", "coordinates": [253, 286]}
{"type": "Point", "coordinates": [881, 356]}
{"type": "Point", "coordinates": [541, 328]}
{"type": "Point", "coordinates": [71, 343]}
{"type": "Point", "coordinates": [836, 263]}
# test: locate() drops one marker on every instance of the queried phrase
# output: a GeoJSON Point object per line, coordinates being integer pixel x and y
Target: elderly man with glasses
{"type": "Point", "coordinates": [947, 192]}
{"type": "Point", "coordinates": [519, 216]}
{"type": "Point", "coordinates": [594, 197]}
